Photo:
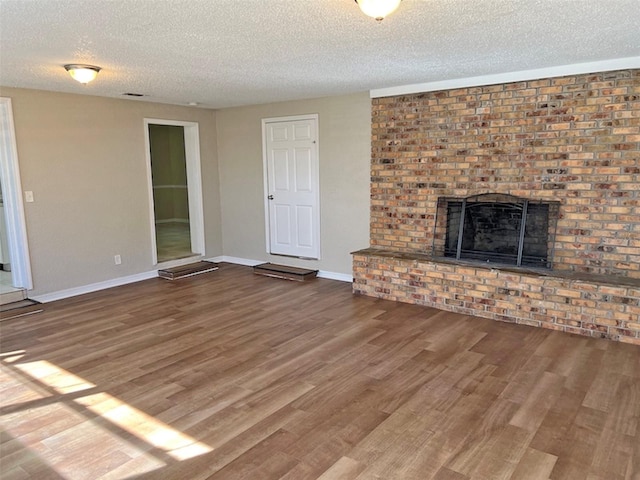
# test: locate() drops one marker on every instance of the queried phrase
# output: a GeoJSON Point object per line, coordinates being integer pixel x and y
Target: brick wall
{"type": "Point", "coordinates": [590, 305]}
{"type": "Point", "coordinates": [571, 139]}
{"type": "Point", "coordinates": [575, 140]}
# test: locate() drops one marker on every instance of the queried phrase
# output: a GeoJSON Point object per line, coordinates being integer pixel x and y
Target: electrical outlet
{"type": "Point", "coordinates": [117, 259]}
{"type": "Point", "coordinates": [28, 196]}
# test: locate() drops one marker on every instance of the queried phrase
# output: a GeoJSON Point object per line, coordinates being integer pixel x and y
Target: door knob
{"type": "Point", "coordinates": [270, 197]}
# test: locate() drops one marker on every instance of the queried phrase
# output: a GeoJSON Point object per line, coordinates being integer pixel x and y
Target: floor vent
{"type": "Point", "coordinates": [283, 271]}
{"type": "Point", "coordinates": [187, 270]}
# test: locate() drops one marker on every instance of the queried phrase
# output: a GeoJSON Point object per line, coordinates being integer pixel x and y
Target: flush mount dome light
{"type": "Point", "coordinates": [82, 73]}
{"type": "Point", "coordinates": [378, 9]}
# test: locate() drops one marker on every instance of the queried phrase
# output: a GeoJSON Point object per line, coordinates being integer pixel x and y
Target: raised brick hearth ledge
{"type": "Point", "coordinates": [587, 304]}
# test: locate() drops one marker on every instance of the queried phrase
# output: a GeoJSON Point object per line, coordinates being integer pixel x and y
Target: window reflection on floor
{"type": "Point", "coordinates": [87, 430]}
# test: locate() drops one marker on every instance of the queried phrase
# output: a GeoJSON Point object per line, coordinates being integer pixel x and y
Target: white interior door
{"type": "Point", "coordinates": [292, 186]}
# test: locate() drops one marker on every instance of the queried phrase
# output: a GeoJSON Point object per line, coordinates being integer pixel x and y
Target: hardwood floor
{"type": "Point", "coordinates": [230, 375]}
{"type": "Point", "coordinates": [173, 241]}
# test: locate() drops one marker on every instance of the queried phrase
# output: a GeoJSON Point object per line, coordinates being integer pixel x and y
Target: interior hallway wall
{"type": "Point", "coordinates": [344, 154]}
{"type": "Point", "coordinates": [84, 159]}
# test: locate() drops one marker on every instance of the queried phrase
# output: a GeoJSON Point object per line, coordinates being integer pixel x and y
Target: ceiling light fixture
{"type": "Point", "coordinates": [378, 9]}
{"type": "Point", "coordinates": [82, 73]}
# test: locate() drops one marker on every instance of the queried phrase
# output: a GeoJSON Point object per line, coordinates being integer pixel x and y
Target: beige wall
{"type": "Point", "coordinates": [344, 147]}
{"type": "Point", "coordinates": [84, 159]}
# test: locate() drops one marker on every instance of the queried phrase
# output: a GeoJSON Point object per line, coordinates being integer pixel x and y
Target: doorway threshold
{"type": "Point", "coordinates": [178, 262]}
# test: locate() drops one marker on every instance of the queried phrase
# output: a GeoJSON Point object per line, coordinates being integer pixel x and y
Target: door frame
{"type": "Point", "coordinates": [12, 196]}
{"type": "Point", "coordinates": [194, 184]}
{"type": "Point", "coordinates": [265, 173]}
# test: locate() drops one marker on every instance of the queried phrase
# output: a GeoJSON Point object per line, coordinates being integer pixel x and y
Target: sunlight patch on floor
{"type": "Point", "coordinates": [55, 377]}
{"type": "Point", "coordinates": [145, 427]}
{"type": "Point", "coordinates": [85, 435]}
{"type": "Point", "coordinates": [16, 391]}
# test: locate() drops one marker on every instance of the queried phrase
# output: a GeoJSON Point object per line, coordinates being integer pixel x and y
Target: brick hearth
{"type": "Point", "coordinates": [574, 140]}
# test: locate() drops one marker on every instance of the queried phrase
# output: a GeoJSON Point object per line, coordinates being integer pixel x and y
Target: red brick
{"type": "Point", "coordinates": [515, 138]}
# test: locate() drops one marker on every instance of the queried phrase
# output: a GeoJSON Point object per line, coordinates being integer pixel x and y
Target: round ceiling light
{"type": "Point", "coordinates": [82, 73]}
{"type": "Point", "coordinates": [378, 9]}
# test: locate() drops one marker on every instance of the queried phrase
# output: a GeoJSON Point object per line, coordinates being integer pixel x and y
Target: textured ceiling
{"type": "Point", "coordinates": [222, 53]}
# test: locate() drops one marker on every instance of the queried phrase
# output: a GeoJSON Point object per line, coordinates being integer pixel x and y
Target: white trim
{"type": "Point", "coordinates": [341, 277]}
{"type": "Point", "coordinates": [265, 183]}
{"type": "Point", "coordinates": [138, 277]}
{"type": "Point", "coordinates": [194, 184]}
{"type": "Point", "coordinates": [237, 260]}
{"type": "Point", "coordinates": [152, 213]}
{"type": "Point", "coordinates": [523, 75]}
{"type": "Point", "coordinates": [290, 118]}
{"type": "Point", "coordinates": [265, 175]}
{"type": "Point", "coordinates": [114, 282]}
{"type": "Point", "coordinates": [12, 195]}
{"type": "Point", "coordinates": [94, 287]}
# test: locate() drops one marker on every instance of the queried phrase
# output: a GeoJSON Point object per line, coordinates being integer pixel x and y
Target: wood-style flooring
{"type": "Point", "coordinates": [173, 241]}
{"type": "Point", "coordinates": [230, 375]}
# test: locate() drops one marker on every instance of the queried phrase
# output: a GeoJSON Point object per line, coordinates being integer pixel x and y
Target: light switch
{"type": "Point", "coordinates": [28, 196]}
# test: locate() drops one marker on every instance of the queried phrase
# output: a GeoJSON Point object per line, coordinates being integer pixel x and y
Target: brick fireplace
{"type": "Point", "coordinates": [570, 143]}
{"type": "Point", "coordinates": [497, 229]}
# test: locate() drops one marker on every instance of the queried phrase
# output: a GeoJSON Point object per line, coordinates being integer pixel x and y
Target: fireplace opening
{"type": "Point", "coordinates": [496, 229]}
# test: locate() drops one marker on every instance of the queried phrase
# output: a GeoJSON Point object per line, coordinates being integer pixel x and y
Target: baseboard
{"type": "Point", "coordinates": [237, 260]}
{"type": "Point", "coordinates": [115, 282]}
{"type": "Point", "coordinates": [138, 277]}
{"type": "Point", "coordinates": [94, 287]}
{"type": "Point", "coordinates": [341, 277]}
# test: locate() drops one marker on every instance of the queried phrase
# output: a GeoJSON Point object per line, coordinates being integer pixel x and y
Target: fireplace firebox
{"type": "Point", "coordinates": [496, 229]}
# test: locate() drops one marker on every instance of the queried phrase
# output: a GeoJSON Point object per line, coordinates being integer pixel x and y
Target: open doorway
{"type": "Point", "coordinates": [175, 190]}
{"type": "Point", "coordinates": [14, 256]}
